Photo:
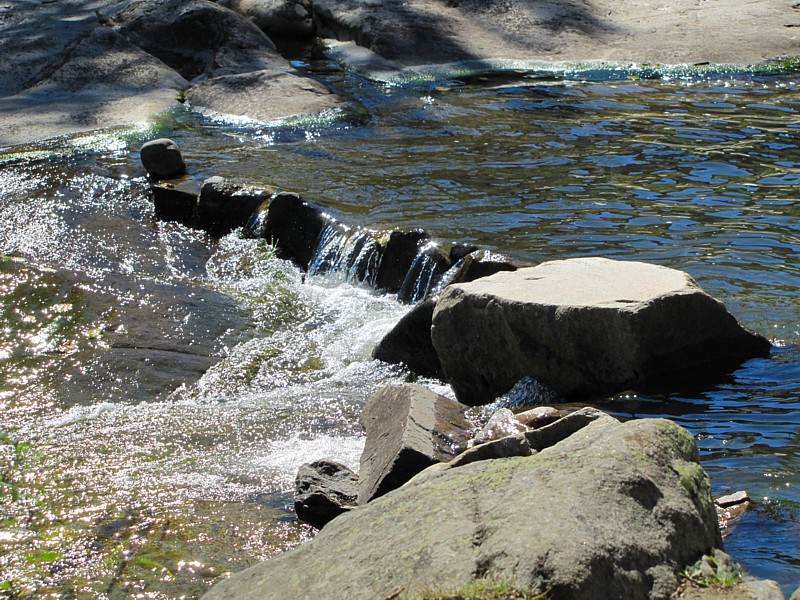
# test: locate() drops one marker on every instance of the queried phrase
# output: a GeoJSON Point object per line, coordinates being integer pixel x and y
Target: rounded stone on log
{"type": "Point", "coordinates": [583, 327]}
{"type": "Point", "coordinates": [162, 159]}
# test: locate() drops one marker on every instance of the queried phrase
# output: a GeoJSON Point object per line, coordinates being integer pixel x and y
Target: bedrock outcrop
{"type": "Point", "coordinates": [612, 511]}
{"type": "Point", "coordinates": [583, 327]}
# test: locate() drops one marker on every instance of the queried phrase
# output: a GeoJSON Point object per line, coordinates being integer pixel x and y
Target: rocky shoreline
{"type": "Point", "coordinates": [79, 65]}
{"type": "Point", "coordinates": [616, 509]}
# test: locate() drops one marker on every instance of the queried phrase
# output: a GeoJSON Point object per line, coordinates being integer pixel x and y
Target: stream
{"type": "Point", "coordinates": [159, 389]}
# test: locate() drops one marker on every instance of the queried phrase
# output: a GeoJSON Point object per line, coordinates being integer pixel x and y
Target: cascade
{"type": "Point", "coordinates": [355, 254]}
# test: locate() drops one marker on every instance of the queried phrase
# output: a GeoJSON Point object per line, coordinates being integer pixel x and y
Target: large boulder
{"type": "Point", "coordinates": [613, 511]}
{"type": "Point", "coordinates": [409, 342]}
{"type": "Point", "coordinates": [278, 18]}
{"type": "Point", "coordinates": [197, 37]}
{"type": "Point", "coordinates": [588, 326]}
{"type": "Point", "coordinates": [409, 428]}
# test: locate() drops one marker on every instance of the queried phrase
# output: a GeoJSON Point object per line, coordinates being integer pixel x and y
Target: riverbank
{"type": "Point", "coordinates": [78, 65]}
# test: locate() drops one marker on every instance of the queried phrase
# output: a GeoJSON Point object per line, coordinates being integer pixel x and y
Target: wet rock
{"type": "Point", "coordinates": [479, 264]}
{"type": "Point", "coordinates": [256, 225]}
{"type": "Point", "coordinates": [408, 429]}
{"type": "Point", "coordinates": [225, 205]}
{"type": "Point", "coordinates": [501, 424]}
{"type": "Point", "coordinates": [552, 434]}
{"type": "Point", "coordinates": [293, 226]}
{"type": "Point", "coordinates": [730, 509]}
{"type": "Point", "coordinates": [162, 159]}
{"type": "Point", "coordinates": [399, 253]}
{"type": "Point", "coordinates": [278, 18]}
{"type": "Point", "coordinates": [409, 342]}
{"type": "Point", "coordinates": [539, 416]}
{"type": "Point", "coordinates": [323, 490]}
{"type": "Point", "coordinates": [459, 251]}
{"type": "Point", "coordinates": [175, 203]}
{"type": "Point", "coordinates": [627, 506]}
{"type": "Point", "coordinates": [583, 327]}
{"type": "Point", "coordinates": [423, 274]}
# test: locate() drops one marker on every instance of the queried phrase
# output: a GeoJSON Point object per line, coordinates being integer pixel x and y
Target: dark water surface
{"type": "Point", "coordinates": [126, 472]}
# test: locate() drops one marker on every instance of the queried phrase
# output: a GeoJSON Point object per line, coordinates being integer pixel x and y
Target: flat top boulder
{"type": "Point", "coordinates": [584, 327]}
{"type": "Point", "coordinates": [590, 281]}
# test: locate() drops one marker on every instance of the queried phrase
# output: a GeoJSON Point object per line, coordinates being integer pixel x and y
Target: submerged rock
{"type": "Point", "coordinates": [162, 159]}
{"type": "Point", "coordinates": [610, 512]}
{"type": "Point", "coordinates": [408, 429]}
{"type": "Point", "coordinates": [588, 326]}
{"type": "Point", "coordinates": [323, 490]}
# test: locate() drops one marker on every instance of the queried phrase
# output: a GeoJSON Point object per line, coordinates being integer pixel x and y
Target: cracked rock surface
{"type": "Point", "coordinates": [614, 510]}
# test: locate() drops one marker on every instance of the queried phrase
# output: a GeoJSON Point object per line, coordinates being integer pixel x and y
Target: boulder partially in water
{"type": "Point", "coordinates": [583, 327]}
{"type": "Point", "coordinates": [408, 429]}
{"type": "Point", "coordinates": [323, 490]}
{"type": "Point", "coordinates": [612, 511]}
{"type": "Point", "coordinates": [225, 204]}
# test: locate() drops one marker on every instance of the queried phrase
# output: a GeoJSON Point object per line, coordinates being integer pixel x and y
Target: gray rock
{"type": "Point", "coordinates": [323, 490]}
{"type": "Point", "coordinates": [732, 499]}
{"type": "Point", "coordinates": [795, 595]}
{"type": "Point", "coordinates": [552, 434]}
{"type": "Point", "coordinates": [505, 447]}
{"type": "Point", "coordinates": [225, 205]}
{"type": "Point", "coordinates": [409, 342]}
{"type": "Point", "coordinates": [263, 95]}
{"type": "Point", "coordinates": [500, 424]}
{"type": "Point", "coordinates": [588, 326]}
{"type": "Point", "coordinates": [539, 416]}
{"type": "Point", "coordinates": [278, 18]}
{"type": "Point", "coordinates": [64, 73]}
{"type": "Point", "coordinates": [162, 159]}
{"type": "Point", "coordinates": [197, 38]}
{"type": "Point", "coordinates": [612, 512]}
{"type": "Point", "coordinates": [717, 577]}
{"type": "Point", "coordinates": [408, 429]}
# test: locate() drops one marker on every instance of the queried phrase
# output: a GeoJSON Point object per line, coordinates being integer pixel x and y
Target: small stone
{"type": "Point", "coordinates": [732, 499]}
{"type": "Point", "coordinates": [162, 159]}
{"type": "Point", "coordinates": [500, 424]}
{"type": "Point", "coordinates": [540, 416]}
{"type": "Point", "coordinates": [505, 447]}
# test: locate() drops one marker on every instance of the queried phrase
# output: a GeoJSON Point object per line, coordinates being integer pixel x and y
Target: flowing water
{"type": "Point", "coordinates": [159, 389]}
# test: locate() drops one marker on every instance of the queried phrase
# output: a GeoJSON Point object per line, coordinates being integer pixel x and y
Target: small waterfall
{"type": "Point", "coordinates": [425, 272]}
{"type": "Point", "coordinates": [355, 254]}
